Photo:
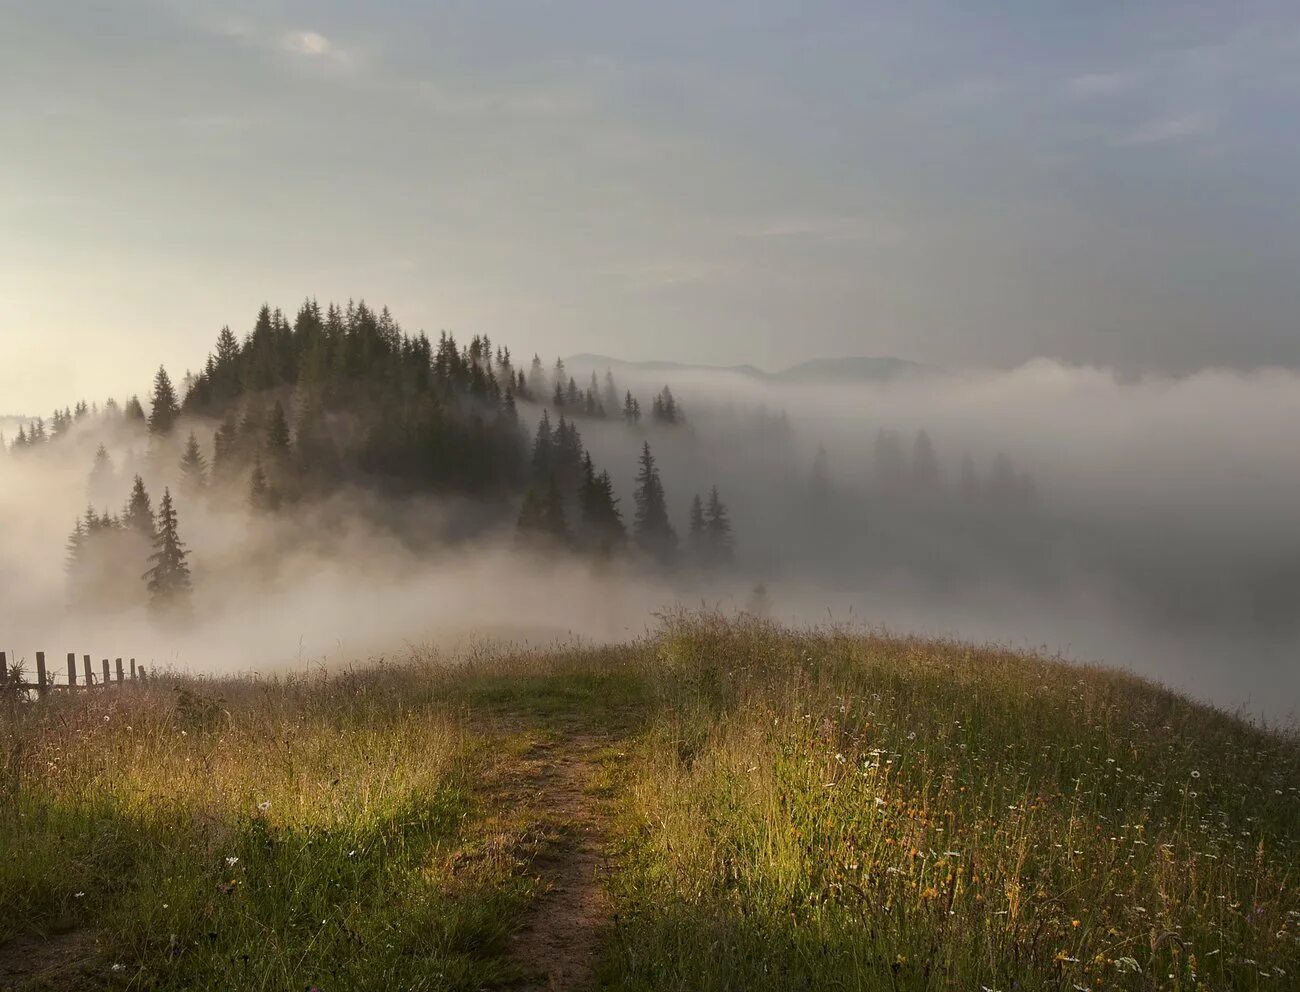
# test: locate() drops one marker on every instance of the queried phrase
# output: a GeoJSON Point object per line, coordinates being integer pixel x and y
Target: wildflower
{"type": "Point", "coordinates": [119, 967]}
{"type": "Point", "coordinates": [231, 861]}
{"type": "Point", "coordinates": [79, 895]}
{"type": "Point", "coordinates": [264, 805]}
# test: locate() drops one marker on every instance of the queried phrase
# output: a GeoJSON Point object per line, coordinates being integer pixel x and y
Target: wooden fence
{"type": "Point", "coordinates": [47, 681]}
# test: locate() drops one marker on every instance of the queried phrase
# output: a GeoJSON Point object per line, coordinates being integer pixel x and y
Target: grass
{"type": "Point", "coordinates": [277, 836]}
{"type": "Point", "coordinates": [791, 810]}
{"type": "Point", "coordinates": [820, 811]}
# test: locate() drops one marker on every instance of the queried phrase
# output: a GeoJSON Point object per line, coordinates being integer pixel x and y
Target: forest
{"type": "Point", "coordinates": [343, 398]}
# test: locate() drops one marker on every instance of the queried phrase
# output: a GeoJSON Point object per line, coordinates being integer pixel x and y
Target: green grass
{"type": "Point", "coordinates": [273, 836]}
{"type": "Point", "coordinates": [819, 811]}
{"type": "Point", "coordinates": [791, 810]}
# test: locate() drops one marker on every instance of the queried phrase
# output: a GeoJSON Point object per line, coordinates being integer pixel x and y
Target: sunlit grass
{"type": "Point", "coordinates": [257, 836]}
{"type": "Point", "coordinates": [811, 810]}
{"type": "Point", "coordinates": [823, 811]}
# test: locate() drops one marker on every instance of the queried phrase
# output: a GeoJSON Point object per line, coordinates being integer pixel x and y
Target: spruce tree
{"type": "Point", "coordinates": [138, 516]}
{"type": "Point", "coordinates": [277, 435]}
{"type": "Point", "coordinates": [77, 563]}
{"type": "Point", "coordinates": [602, 524]}
{"type": "Point", "coordinates": [225, 446]}
{"type": "Point", "coordinates": [194, 467]}
{"type": "Point", "coordinates": [651, 528]}
{"type": "Point", "coordinates": [262, 496]}
{"type": "Point", "coordinates": [631, 409]}
{"type": "Point", "coordinates": [543, 449]}
{"type": "Point", "coordinates": [168, 577]}
{"type": "Point", "coordinates": [697, 539]}
{"type": "Point", "coordinates": [610, 399]}
{"type": "Point", "coordinates": [530, 523]}
{"type": "Point", "coordinates": [554, 524]}
{"type": "Point", "coordinates": [101, 474]}
{"type": "Point", "coordinates": [165, 406]}
{"type": "Point", "coordinates": [721, 542]}
{"type": "Point", "coordinates": [133, 411]}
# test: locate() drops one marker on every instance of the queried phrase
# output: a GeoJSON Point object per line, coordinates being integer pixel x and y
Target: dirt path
{"type": "Point", "coordinates": [557, 945]}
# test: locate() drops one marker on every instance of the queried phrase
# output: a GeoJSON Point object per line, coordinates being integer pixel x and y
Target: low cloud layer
{"type": "Point", "coordinates": [1151, 524]}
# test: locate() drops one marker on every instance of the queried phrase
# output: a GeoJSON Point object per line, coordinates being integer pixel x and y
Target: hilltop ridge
{"type": "Point", "coordinates": [849, 368]}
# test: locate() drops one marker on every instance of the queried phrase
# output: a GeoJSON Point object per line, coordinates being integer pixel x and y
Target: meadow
{"type": "Point", "coordinates": [720, 805]}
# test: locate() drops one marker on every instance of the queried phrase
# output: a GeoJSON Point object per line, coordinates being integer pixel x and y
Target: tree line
{"type": "Point", "coordinates": [343, 396]}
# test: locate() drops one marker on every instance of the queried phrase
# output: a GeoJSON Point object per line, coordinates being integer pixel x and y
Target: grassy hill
{"type": "Point", "coordinates": [719, 806]}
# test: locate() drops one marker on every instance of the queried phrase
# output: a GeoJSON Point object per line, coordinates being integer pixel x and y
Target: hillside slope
{"type": "Point", "coordinates": [722, 805]}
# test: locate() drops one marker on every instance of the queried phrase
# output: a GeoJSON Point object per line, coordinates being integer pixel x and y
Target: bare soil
{"type": "Point", "coordinates": [63, 961]}
{"type": "Point", "coordinates": [557, 945]}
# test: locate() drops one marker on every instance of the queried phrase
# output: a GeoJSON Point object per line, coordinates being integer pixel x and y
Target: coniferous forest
{"type": "Point", "coordinates": [340, 400]}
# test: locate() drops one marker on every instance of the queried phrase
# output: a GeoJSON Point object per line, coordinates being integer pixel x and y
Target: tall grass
{"type": "Point", "coordinates": [819, 811]}
{"type": "Point", "coordinates": [255, 836]}
{"type": "Point", "coordinates": [794, 810]}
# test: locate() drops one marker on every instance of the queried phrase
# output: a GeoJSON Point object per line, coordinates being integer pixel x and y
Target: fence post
{"type": "Point", "coordinates": [4, 669]}
{"type": "Point", "coordinates": [132, 669]}
{"type": "Point", "coordinates": [119, 671]}
{"type": "Point", "coordinates": [143, 674]}
{"type": "Point", "coordinates": [106, 671]}
{"type": "Point", "coordinates": [41, 686]}
{"type": "Point", "coordinates": [85, 663]}
{"type": "Point", "coordinates": [72, 670]}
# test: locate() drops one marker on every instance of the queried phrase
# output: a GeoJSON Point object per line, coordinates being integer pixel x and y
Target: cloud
{"type": "Point", "coordinates": [313, 44]}
{"type": "Point", "coordinates": [1177, 128]}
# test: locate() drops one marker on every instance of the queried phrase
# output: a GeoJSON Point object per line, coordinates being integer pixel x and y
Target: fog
{"type": "Point", "coordinates": [1151, 524]}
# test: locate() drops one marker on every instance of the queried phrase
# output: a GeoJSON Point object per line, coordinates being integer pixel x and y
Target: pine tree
{"type": "Point", "coordinates": [610, 399]}
{"type": "Point", "coordinates": [602, 524]}
{"type": "Point", "coordinates": [543, 449]}
{"type": "Point", "coordinates": [665, 408]}
{"type": "Point", "coordinates": [536, 380]}
{"type": "Point", "coordinates": [553, 522]}
{"type": "Point", "coordinates": [542, 522]}
{"type": "Point", "coordinates": [262, 496]}
{"type": "Point", "coordinates": [697, 539]}
{"type": "Point", "coordinates": [168, 577]}
{"type": "Point", "coordinates": [138, 516]}
{"type": "Point", "coordinates": [133, 411]}
{"type": "Point", "coordinates": [165, 407]}
{"type": "Point", "coordinates": [101, 480]}
{"type": "Point", "coordinates": [277, 435]}
{"type": "Point", "coordinates": [653, 532]}
{"type": "Point", "coordinates": [721, 541]}
{"type": "Point", "coordinates": [225, 446]}
{"type": "Point", "coordinates": [631, 409]}
{"type": "Point", "coordinates": [75, 547]}
{"type": "Point", "coordinates": [530, 523]}
{"type": "Point", "coordinates": [194, 467]}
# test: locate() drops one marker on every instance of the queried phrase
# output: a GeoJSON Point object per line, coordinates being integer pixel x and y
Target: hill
{"type": "Point", "coordinates": [721, 805]}
{"type": "Point", "coordinates": [846, 369]}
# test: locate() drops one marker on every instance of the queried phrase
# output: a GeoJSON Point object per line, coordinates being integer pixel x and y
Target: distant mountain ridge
{"type": "Point", "coordinates": [852, 368]}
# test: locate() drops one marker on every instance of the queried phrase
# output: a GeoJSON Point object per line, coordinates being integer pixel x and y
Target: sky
{"type": "Point", "coordinates": [1110, 183]}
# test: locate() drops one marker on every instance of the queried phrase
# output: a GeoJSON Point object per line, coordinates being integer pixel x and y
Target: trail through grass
{"type": "Point", "coordinates": [719, 806]}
